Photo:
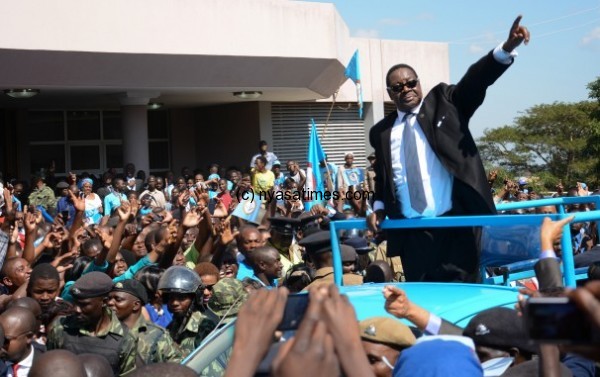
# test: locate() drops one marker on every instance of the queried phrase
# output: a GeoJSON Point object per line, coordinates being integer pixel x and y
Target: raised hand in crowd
{"type": "Point", "coordinates": [587, 299]}
{"type": "Point", "coordinates": [264, 311]}
{"type": "Point", "coordinates": [311, 352]}
{"type": "Point", "coordinates": [551, 232]}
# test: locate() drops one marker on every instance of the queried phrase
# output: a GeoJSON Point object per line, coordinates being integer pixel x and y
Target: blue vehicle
{"type": "Point", "coordinates": [455, 302]}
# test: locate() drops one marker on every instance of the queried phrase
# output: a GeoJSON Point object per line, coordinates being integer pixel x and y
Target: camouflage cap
{"type": "Point", "coordinates": [227, 298]}
{"type": "Point", "coordinates": [387, 331]}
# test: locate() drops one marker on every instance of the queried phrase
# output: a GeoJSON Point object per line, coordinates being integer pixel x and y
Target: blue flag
{"type": "Point", "coordinates": [353, 73]}
{"type": "Point", "coordinates": [249, 209]}
{"type": "Point", "coordinates": [314, 183]}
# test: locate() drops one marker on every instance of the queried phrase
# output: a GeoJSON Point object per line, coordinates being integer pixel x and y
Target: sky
{"type": "Point", "coordinates": [562, 57]}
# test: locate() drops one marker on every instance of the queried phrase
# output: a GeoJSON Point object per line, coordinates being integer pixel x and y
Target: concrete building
{"type": "Point", "coordinates": [98, 65]}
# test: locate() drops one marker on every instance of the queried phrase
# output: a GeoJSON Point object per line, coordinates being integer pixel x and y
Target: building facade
{"type": "Point", "coordinates": [227, 74]}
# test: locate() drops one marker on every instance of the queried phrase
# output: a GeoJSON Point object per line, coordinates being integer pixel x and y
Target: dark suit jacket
{"type": "Point", "coordinates": [548, 274]}
{"type": "Point", "coordinates": [444, 118]}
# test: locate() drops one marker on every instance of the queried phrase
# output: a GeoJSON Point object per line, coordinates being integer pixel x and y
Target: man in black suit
{"type": "Point", "coordinates": [427, 164]}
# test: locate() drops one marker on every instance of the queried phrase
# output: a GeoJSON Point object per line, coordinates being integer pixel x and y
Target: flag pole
{"type": "Point", "coordinates": [330, 111]}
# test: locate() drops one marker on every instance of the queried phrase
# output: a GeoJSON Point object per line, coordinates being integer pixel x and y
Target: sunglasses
{"type": "Point", "coordinates": [399, 88]}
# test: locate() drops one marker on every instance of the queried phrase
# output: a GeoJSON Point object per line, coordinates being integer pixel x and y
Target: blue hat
{"type": "Point", "coordinates": [434, 356]}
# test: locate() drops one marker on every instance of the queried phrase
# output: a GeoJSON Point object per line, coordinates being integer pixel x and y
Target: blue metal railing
{"type": "Point", "coordinates": [491, 220]}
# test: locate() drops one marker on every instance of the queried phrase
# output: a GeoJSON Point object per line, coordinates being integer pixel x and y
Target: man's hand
{"type": "Point", "coordinates": [311, 351]}
{"type": "Point", "coordinates": [192, 218]}
{"type": "Point", "coordinates": [78, 203]}
{"type": "Point", "coordinates": [587, 299]}
{"type": "Point", "coordinates": [30, 222]}
{"type": "Point", "coordinates": [517, 35]}
{"type": "Point", "coordinates": [398, 304]}
{"type": "Point", "coordinates": [262, 311]}
{"type": "Point", "coordinates": [396, 301]}
{"type": "Point", "coordinates": [551, 231]}
{"type": "Point", "coordinates": [375, 219]}
{"type": "Point", "coordinates": [124, 211]}
{"type": "Point", "coordinates": [220, 210]}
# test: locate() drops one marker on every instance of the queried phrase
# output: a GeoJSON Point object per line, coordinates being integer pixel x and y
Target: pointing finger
{"type": "Point", "coordinates": [516, 23]}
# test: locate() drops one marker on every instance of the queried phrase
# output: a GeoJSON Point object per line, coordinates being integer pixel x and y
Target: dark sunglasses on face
{"type": "Point", "coordinates": [399, 88]}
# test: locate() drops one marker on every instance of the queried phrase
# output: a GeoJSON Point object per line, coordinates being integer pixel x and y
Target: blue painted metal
{"type": "Point", "coordinates": [455, 302]}
{"type": "Point", "coordinates": [493, 220]}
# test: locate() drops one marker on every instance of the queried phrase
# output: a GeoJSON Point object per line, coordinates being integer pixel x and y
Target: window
{"type": "Point", "coordinates": [90, 140]}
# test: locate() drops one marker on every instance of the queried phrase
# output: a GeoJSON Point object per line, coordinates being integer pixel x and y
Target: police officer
{"type": "Point", "coordinates": [319, 250]}
{"type": "Point", "coordinates": [383, 339]}
{"type": "Point", "coordinates": [155, 345]}
{"type": "Point", "coordinates": [182, 291]}
{"type": "Point", "coordinates": [94, 328]}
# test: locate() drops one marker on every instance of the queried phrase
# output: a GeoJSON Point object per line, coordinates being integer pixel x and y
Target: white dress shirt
{"type": "Point", "coordinates": [437, 181]}
{"type": "Point", "coordinates": [24, 366]}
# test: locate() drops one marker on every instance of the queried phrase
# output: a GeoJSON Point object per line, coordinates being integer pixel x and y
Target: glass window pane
{"type": "Point", "coordinates": [114, 156]}
{"type": "Point", "coordinates": [46, 126]}
{"type": "Point", "coordinates": [159, 154]}
{"type": "Point", "coordinates": [112, 125]}
{"type": "Point", "coordinates": [42, 155]}
{"type": "Point", "coordinates": [83, 125]}
{"type": "Point", "coordinates": [158, 125]}
{"type": "Point", "coordinates": [85, 157]}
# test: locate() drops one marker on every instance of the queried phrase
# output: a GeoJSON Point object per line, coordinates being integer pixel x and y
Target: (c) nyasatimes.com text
{"type": "Point", "coordinates": [306, 195]}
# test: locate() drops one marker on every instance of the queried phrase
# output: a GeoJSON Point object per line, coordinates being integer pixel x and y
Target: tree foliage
{"type": "Point", "coordinates": [554, 139]}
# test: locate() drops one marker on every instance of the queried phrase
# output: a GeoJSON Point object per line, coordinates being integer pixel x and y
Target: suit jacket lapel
{"type": "Point", "coordinates": [387, 149]}
{"type": "Point", "coordinates": [425, 114]}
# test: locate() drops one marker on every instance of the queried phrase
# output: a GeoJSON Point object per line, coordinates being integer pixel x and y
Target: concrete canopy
{"type": "Point", "coordinates": [188, 52]}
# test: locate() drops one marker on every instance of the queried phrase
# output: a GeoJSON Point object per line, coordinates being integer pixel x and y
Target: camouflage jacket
{"type": "Point", "coordinates": [197, 327]}
{"type": "Point", "coordinates": [64, 328]}
{"type": "Point", "coordinates": [154, 343]}
{"type": "Point", "coordinates": [42, 197]}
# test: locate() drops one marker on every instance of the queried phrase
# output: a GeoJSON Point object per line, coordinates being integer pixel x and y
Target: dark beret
{"type": "Point", "coordinates": [93, 284]}
{"type": "Point", "coordinates": [284, 225]}
{"type": "Point", "coordinates": [320, 242]}
{"type": "Point", "coordinates": [133, 287]}
{"type": "Point", "coordinates": [500, 328]}
{"type": "Point", "coordinates": [359, 244]}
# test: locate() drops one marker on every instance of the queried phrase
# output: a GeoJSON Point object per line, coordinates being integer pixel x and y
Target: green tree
{"type": "Point", "coordinates": [550, 138]}
{"type": "Point", "coordinates": [594, 88]}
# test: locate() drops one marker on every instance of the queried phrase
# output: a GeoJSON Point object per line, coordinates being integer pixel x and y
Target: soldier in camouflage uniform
{"type": "Point", "coordinates": [182, 291]}
{"type": "Point", "coordinates": [95, 328]}
{"type": "Point", "coordinates": [42, 195]}
{"type": "Point", "coordinates": [228, 297]}
{"type": "Point", "coordinates": [155, 345]}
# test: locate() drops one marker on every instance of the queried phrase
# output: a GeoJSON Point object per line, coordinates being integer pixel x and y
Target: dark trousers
{"type": "Point", "coordinates": [437, 254]}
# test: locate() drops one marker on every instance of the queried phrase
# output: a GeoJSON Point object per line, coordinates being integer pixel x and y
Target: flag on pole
{"type": "Point", "coordinates": [353, 73]}
{"type": "Point", "coordinates": [314, 183]}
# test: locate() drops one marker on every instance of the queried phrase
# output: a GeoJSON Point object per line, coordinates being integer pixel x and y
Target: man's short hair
{"type": "Point", "coordinates": [262, 142]}
{"type": "Point", "coordinates": [262, 159]}
{"type": "Point", "coordinates": [396, 67]}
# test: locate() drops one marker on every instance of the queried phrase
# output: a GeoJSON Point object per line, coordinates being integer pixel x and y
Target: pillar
{"type": "Point", "coordinates": [134, 123]}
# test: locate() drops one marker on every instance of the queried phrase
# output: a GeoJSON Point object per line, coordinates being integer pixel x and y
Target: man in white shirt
{"type": "Point", "coordinates": [270, 156]}
{"type": "Point", "coordinates": [427, 164]}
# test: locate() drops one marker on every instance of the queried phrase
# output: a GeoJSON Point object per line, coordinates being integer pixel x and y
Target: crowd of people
{"type": "Point", "coordinates": [127, 274]}
{"type": "Point", "coordinates": [139, 272]}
